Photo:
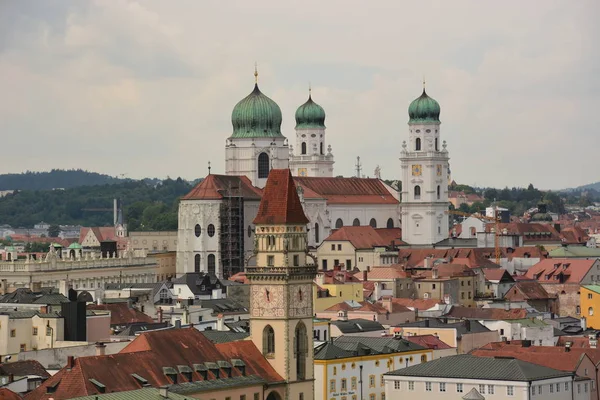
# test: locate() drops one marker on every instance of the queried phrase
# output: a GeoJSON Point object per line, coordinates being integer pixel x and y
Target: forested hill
{"type": "Point", "coordinates": [55, 179]}
{"type": "Point", "coordinates": [147, 206]}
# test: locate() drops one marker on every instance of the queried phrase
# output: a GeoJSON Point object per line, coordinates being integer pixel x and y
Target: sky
{"type": "Point", "coordinates": [146, 88]}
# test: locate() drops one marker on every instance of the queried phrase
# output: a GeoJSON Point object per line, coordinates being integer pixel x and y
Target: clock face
{"type": "Point", "coordinates": [267, 301]}
{"type": "Point", "coordinates": [302, 300]}
{"type": "Point", "coordinates": [439, 170]}
{"type": "Point", "coordinates": [302, 172]}
{"type": "Point", "coordinates": [416, 170]}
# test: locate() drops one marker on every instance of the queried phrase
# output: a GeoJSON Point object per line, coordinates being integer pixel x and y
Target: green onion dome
{"type": "Point", "coordinates": [424, 110]}
{"type": "Point", "coordinates": [256, 116]}
{"type": "Point", "coordinates": [310, 115]}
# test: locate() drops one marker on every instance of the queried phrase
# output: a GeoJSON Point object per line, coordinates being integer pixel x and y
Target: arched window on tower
{"type": "Point", "coordinates": [263, 166]}
{"type": "Point", "coordinates": [436, 144]}
{"type": "Point", "coordinates": [356, 222]}
{"type": "Point", "coordinates": [268, 341]}
{"type": "Point", "coordinates": [212, 265]}
{"type": "Point", "coordinates": [197, 263]}
{"type": "Point", "coordinates": [317, 233]}
{"type": "Point", "coordinates": [438, 192]}
{"type": "Point", "coordinates": [303, 147]}
{"type": "Point", "coordinates": [417, 192]}
{"type": "Point", "coordinates": [322, 148]}
{"type": "Point", "coordinates": [339, 223]}
{"type": "Point", "coordinates": [300, 350]}
{"type": "Point", "coordinates": [373, 222]}
{"type": "Point", "coordinates": [418, 144]}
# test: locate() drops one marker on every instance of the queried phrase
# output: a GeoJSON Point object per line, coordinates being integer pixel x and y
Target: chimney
{"type": "Point", "coordinates": [160, 315]}
{"type": "Point", "coordinates": [99, 300]}
{"type": "Point", "coordinates": [11, 378]}
{"type": "Point", "coordinates": [163, 392]}
{"type": "Point", "coordinates": [220, 322]}
{"type": "Point", "coordinates": [386, 302]}
{"type": "Point", "coordinates": [343, 315]}
{"type": "Point", "coordinates": [177, 323]}
{"type": "Point", "coordinates": [426, 263]}
{"type": "Point", "coordinates": [365, 276]}
{"type": "Point", "coordinates": [63, 287]}
{"type": "Point", "coordinates": [434, 273]}
{"type": "Point", "coordinates": [70, 362]}
{"type": "Point", "coordinates": [100, 349]}
{"type": "Point", "coordinates": [320, 279]}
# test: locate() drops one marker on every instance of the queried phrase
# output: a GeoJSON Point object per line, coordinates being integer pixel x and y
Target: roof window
{"type": "Point", "coordinates": [141, 380]}
{"type": "Point", "coordinates": [202, 370]}
{"type": "Point", "coordinates": [170, 373]}
{"type": "Point", "coordinates": [186, 372]}
{"type": "Point", "coordinates": [240, 365]}
{"type": "Point", "coordinates": [101, 388]}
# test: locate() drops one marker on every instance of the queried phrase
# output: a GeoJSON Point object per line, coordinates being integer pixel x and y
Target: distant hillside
{"type": "Point", "coordinates": [55, 179]}
{"type": "Point", "coordinates": [589, 186]}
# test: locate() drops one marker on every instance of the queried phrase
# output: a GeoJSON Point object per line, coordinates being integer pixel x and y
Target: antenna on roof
{"type": "Point", "coordinates": [209, 167]}
{"type": "Point", "coordinates": [358, 167]}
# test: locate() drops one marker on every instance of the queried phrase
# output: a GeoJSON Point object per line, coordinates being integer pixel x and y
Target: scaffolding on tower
{"type": "Point", "coordinates": [232, 230]}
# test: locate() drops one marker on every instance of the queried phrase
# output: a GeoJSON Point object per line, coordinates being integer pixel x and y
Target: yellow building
{"type": "Point", "coordinates": [331, 289]}
{"type": "Point", "coordinates": [589, 300]}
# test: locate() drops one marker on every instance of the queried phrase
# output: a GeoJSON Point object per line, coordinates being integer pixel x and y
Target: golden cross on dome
{"type": "Point", "coordinates": [423, 82]}
{"type": "Point", "coordinates": [256, 73]}
{"type": "Point", "coordinates": [309, 89]}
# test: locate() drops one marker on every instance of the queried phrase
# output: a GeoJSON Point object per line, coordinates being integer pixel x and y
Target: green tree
{"type": "Point", "coordinates": [54, 231]}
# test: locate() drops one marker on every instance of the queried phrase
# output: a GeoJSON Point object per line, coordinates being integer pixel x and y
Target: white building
{"type": "Point", "coordinates": [533, 329]}
{"type": "Point", "coordinates": [425, 169]}
{"type": "Point", "coordinates": [480, 378]}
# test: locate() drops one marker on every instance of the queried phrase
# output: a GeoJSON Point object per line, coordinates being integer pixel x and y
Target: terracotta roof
{"type": "Point", "coordinates": [566, 361]}
{"type": "Point", "coordinates": [338, 276]}
{"type": "Point", "coordinates": [363, 306]}
{"type": "Point", "coordinates": [215, 187]}
{"type": "Point", "coordinates": [24, 368]}
{"type": "Point", "coordinates": [445, 271]}
{"type": "Point", "coordinates": [496, 274]}
{"type": "Point", "coordinates": [419, 304]}
{"type": "Point", "coordinates": [101, 232]}
{"type": "Point", "coordinates": [576, 341]}
{"type": "Point", "coordinates": [486, 313]}
{"type": "Point", "coordinates": [384, 273]}
{"type": "Point", "coordinates": [574, 235]}
{"type": "Point", "coordinates": [530, 232]}
{"type": "Point", "coordinates": [7, 394]}
{"type": "Point", "coordinates": [428, 341]}
{"type": "Point", "coordinates": [146, 356]}
{"type": "Point", "coordinates": [527, 290]}
{"type": "Point", "coordinates": [473, 258]}
{"type": "Point", "coordinates": [555, 270]}
{"type": "Point", "coordinates": [361, 237]}
{"type": "Point", "coordinates": [239, 277]}
{"type": "Point", "coordinates": [390, 235]}
{"type": "Point", "coordinates": [280, 203]}
{"type": "Point", "coordinates": [555, 352]}
{"type": "Point", "coordinates": [347, 190]}
{"type": "Point", "coordinates": [122, 313]}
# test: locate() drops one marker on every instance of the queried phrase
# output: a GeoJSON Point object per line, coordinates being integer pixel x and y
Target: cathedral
{"type": "Point", "coordinates": [216, 232]}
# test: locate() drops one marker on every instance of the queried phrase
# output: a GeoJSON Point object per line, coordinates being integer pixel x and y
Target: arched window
{"type": "Point", "coordinates": [197, 230]}
{"type": "Point", "coordinates": [417, 192]}
{"type": "Point", "coordinates": [356, 222]}
{"type": "Point", "coordinates": [373, 222]}
{"type": "Point", "coordinates": [263, 165]}
{"type": "Point", "coordinates": [590, 311]}
{"type": "Point", "coordinates": [197, 263]}
{"type": "Point", "coordinates": [418, 144]}
{"type": "Point", "coordinates": [436, 144]}
{"type": "Point", "coordinates": [211, 265]}
{"type": "Point", "coordinates": [268, 341]}
{"type": "Point", "coordinates": [339, 223]}
{"type": "Point", "coordinates": [317, 233]}
{"type": "Point", "coordinates": [211, 230]}
{"type": "Point", "coordinates": [300, 350]}
{"type": "Point", "coordinates": [390, 223]}
{"type": "Point", "coordinates": [473, 231]}
{"type": "Point", "coordinates": [322, 148]}
{"type": "Point", "coordinates": [303, 147]}
{"type": "Point", "coordinates": [438, 192]}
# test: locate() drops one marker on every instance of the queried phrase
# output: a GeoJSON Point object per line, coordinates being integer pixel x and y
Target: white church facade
{"type": "Point", "coordinates": [216, 234]}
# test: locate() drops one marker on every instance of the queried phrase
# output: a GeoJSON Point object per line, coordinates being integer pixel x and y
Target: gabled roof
{"type": "Point", "coordinates": [462, 327]}
{"type": "Point", "coordinates": [527, 290]}
{"type": "Point", "coordinates": [574, 235]}
{"type": "Point", "coordinates": [122, 313]}
{"type": "Point", "coordinates": [466, 366]}
{"type": "Point", "coordinates": [486, 313]}
{"type": "Point", "coordinates": [24, 368]}
{"type": "Point", "coordinates": [280, 203]}
{"type": "Point", "coordinates": [216, 187]}
{"type": "Point", "coordinates": [347, 190]}
{"type": "Point", "coordinates": [7, 394]}
{"type": "Point", "coordinates": [419, 304]}
{"type": "Point", "coordinates": [353, 346]}
{"type": "Point", "coordinates": [563, 362]}
{"type": "Point", "coordinates": [497, 275]}
{"type": "Point", "coordinates": [471, 257]}
{"type": "Point", "coordinates": [428, 341]}
{"type": "Point", "coordinates": [357, 325]}
{"type": "Point", "coordinates": [473, 395]}
{"type": "Point", "coordinates": [530, 232]}
{"type": "Point", "coordinates": [384, 273]}
{"type": "Point", "coordinates": [363, 306]}
{"type": "Point", "coordinates": [361, 237]}
{"type": "Point", "coordinates": [552, 269]}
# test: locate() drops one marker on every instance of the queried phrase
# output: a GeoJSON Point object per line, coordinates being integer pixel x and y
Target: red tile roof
{"type": "Point", "coordinates": [527, 290]}
{"type": "Point", "coordinates": [556, 270]}
{"type": "Point", "coordinates": [24, 368]}
{"type": "Point", "coordinates": [478, 257]}
{"type": "Point", "coordinates": [122, 313]}
{"type": "Point", "coordinates": [390, 235]}
{"type": "Point", "coordinates": [384, 273]}
{"type": "Point", "coordinates": [576, 341]}
{"type": "Point", "coordinates": [496, 274]}
{"type": "Point", "coordinates": [338, 276]}
{"type": "Point", "coordinates": [280, 203]}
{"type": "Point", "coordinates": [428, 341]}
{"type": "Point", "coordinates": [215, 187]}
{"type": "Point", "coordinates": [347, 190]}
{"type": "Point", "coordinates": [361, 237]}
{"type": "Point", "coordinates": [574, 235]}
{"type": "Point", "coordinates": [240, 277]}
{"type": "Point", "coordinates": [7, 394]}
{"type": "Point", "coordinates": [146, 356]}
{"type": "Point", "coordinates": [555, 352]}
{"type": "Point", "coordinates": [486, 313]}
{"type": "Point", "coordinates": [419, 304]}
{"type": "Point", "coordinates": [564, 362]}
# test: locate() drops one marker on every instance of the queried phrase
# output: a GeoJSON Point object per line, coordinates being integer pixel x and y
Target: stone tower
{"type": "Point", "coordinates": [311, 156]}
{"type": "Point", "coordinates": [424, 163]}
{"type": "Point", "coordinates": [281, 308]}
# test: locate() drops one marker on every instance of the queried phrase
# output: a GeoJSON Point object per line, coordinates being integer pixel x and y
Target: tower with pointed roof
{"type": "Point", "coordinates": [256, 144]}
{"type": "Point", "coordinates": [424, 164]}
{"type": "Point", "coordinates": [281, 308]}
{"type": "Point", "coordinates": [311, 156]}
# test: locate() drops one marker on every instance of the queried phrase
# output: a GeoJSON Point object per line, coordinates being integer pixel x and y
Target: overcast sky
{"type": "Point", "coordinates": [146, 88]}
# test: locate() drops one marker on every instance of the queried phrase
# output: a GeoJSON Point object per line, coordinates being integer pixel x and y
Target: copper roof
{"type": "Point", "coordinates": [215, 187]}
{"type": "Point", "coordinates": [280, 203]}
{"type": "Point", "coordinates": [347, 190]}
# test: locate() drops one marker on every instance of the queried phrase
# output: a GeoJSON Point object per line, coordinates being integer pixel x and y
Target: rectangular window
{"type": "Point", "coordinates": [490, 389]}
{"type": "Point", "coordinates": [325, 265]}
{"type": "Point", "coordinates": [592, 385]}
{"type": "Point", "coordinates": [459, 388]}
{"type": "Point", "coordinates": [469, 294]}
{"type": "Point", "coordinates": [469, 283]}
{"type": "Point", "coordinates": [353, 383]}
{"type": "Point", "coordinates": [551, 388]}
{"type": "Point", "coordinates": [482, 389]}
{"type": "Point", "coordinates": [271, 261]}
{"type": "Point", "coordinates": [510, 390]}
{"type": "Point", "coordinates": [585, 387]}
{"type": "Point", "coordinates": [428, 386]}
{"type": "Point", "coordinates": [344, 385]}
{"type": "Point", "coordinates": [383, 396]}
{"type": "Point", "coordinates": [13, 333]}
{"type": "Point", "coordinates": [590, 295]}
{"type": "Point", "coordinates": [348, 264]}
{"type": "Point", "coordinates": [442, 386]}
{"type": "Point", "coordinates": [296, 260]}
{"type": "Point", "coordinates": [23, 347]}
{"type": "Point", "coordinates": [533, 391]}
{"type": "Point", "coordinates": [382, 381]}
{"type": "Point", "coordinates": [433, 285]}
{"type": "Point", "coordinates": [540, 389]}
{"type": "Point", "coordinates": [557, 387]}
{"type": "Point", "coordinates": [397, 385]}
{"type": "Point", "coordinates": [578, 388]}
{"type": "Point", "coordinates": [242, 397]}
{"type": "Point", "coordinates": [462, 283]}
{"type": "Point", "coordinates": [339, 247]}
{"type": "Point", "coordinates": [333, 247]}
{"type": "Point", "coordinates": [35, 331]}
{"type": "Point", "coordinates": [501, 332]}
{"type": "Point", "coordinates": [372, 381]}
{"type": "Point", "coordinates": [411, 385]}
{"type": "Point", "coordinates": [301, 396]}
{"type": "Point", "coordinates": [566, 386]}
{"type": "Point", "coordinates": [256, 396]}
{"type": "Point", "coordinates": [372, 396]}
{"type": "Point", "coordinates": [332, 385]}
{"type": "Point", "coordinates": [462, 295]}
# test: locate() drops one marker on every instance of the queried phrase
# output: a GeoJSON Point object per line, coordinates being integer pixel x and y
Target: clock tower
{"type": "Point", "coordinates": [281, 308]}
{"type": "Point", "coordinates": [424, 163]}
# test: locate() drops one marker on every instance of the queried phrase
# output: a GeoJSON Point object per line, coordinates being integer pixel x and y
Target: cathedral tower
{"type": "Point", "coordinates": [256, 145]}
{"type": "Point", "coordinates": [424, 163]}
{"type": "Point", "coordinates": [281, 308]}
{"type": "Point", "coordinates": [311, 156]}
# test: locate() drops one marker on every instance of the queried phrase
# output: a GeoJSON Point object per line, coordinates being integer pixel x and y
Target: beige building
{"type": "Point", "coordinates": [453, 283]}
{"type": "Point", "coordinates": [166, 265]}
{"type": "Point", "coordinates": [29, 330]}
{"type": "Point", "coordinates": [154, 241]}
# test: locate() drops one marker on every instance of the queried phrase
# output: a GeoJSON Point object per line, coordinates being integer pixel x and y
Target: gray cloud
{"type": "Point", "coordinates": [147, 88]}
